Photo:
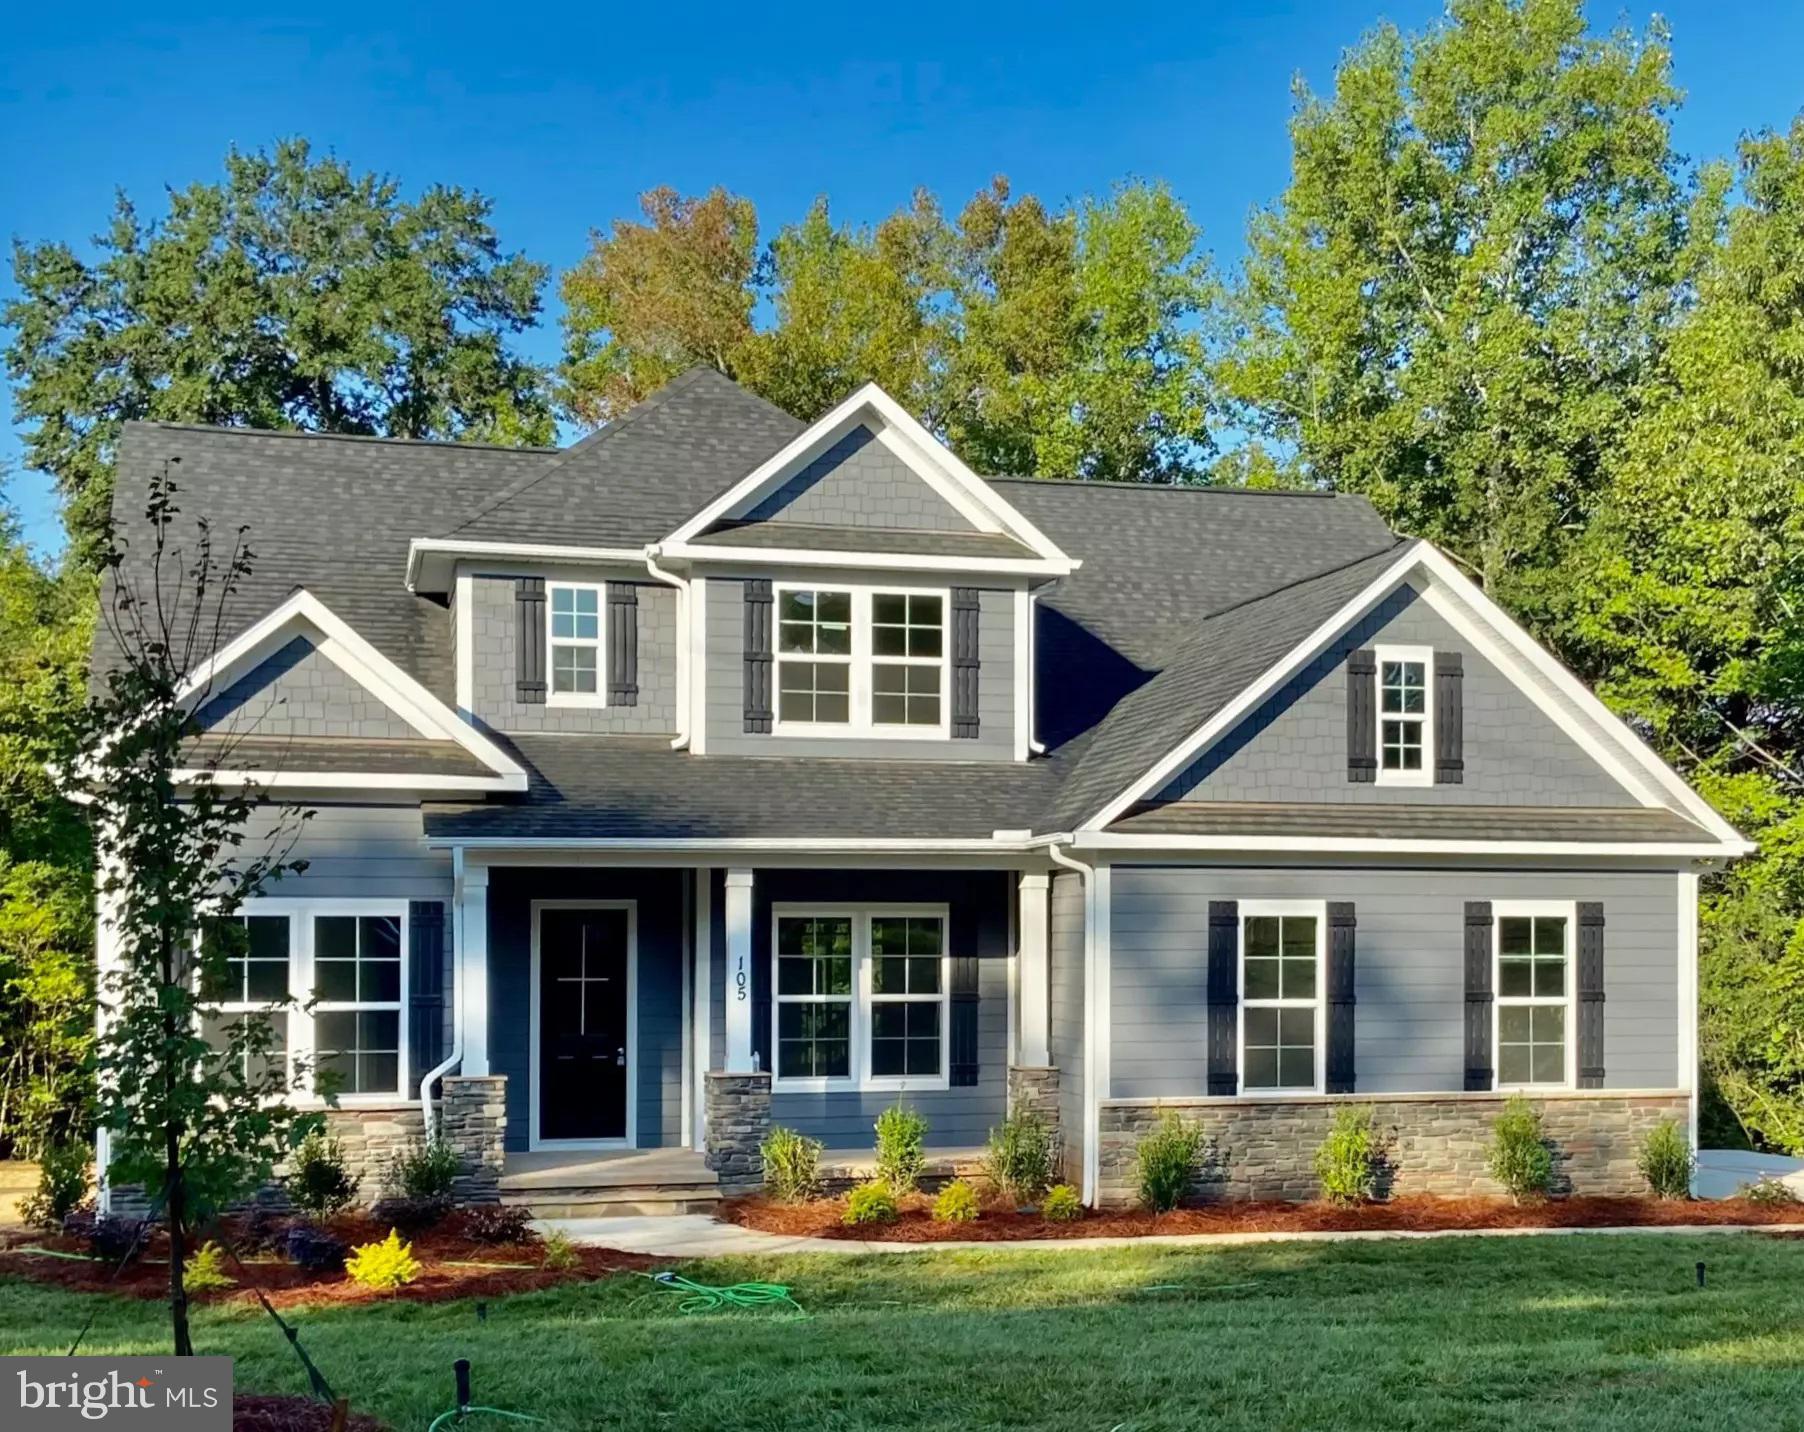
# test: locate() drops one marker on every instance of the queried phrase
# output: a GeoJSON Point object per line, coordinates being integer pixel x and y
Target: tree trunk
{"type": "Point", "coordinates": [177, 1211]}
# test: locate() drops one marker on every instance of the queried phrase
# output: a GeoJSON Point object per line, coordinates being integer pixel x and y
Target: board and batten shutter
{"type": "Point", "coordinates": [966, 666]}
{"type": "Point", "coordinates": [1479, 994]}
{"type": "Point", "coordinates": [623, 644]}
{"type": "Point", "coordinates": [759, 610]}
{"type": "Point", "coordinates": [529, 640]}
{"type": "Point", "coordinates": [1449, 719]}
{"type": "Point", "coordinates": [1342, 927]}
{"type": "Point", "coordinates": [1224, 996]}
{"type": "Point", "coordinates": [962, 1029]}
{"type": "Point", "coordinates": [1590, 936]}
{"type": "Point", "coordinates": [425, 984]}
{"type": "Point", "coordinates": [1362, 717]}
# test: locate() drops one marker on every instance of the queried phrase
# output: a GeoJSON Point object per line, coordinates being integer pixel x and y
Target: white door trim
{"type": "Point", "coordinates": [631, 1141]}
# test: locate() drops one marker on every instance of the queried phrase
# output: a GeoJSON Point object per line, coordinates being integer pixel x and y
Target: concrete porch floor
{"type": "Point", "coordinates": [603, 1168]}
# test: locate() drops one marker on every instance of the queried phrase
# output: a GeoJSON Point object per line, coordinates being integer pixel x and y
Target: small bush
{"type": "Point", "coordinates": [1019, 1161]}
{"type": "Point", "coordinates": [62, 1185]}
{"type": "Point", "coordinates": [1768, 1191]}
{"type": "Point", "coordinates": [1519, 1156]}
{"type": "Point", "coordinates": [792, 1165]}
{"type": "Point", "coordinates": [314, 1249]}
{"type": "Point", "coordinates": [871, 1202]}
{"type": "Point", "coordinates": [957, 1203]}
{"type": "Point", "coordinates": [423, 1170]}
{"type": "Point", "coordinates": [413, 1216]}
{"type": "Point", "coordinates": [901, 1148]}
{"type": "Point", "coordinates": [497, 1223]}
{"type": "Point", "coordinates": [108, 1238]}
{"type": "Point", "coordinates": [263, 1230]}
{"type": "Point", "coordinates": [383, 1266]}
{"type": "Point", "coordinates": [319, 1182]}
{"type": "Point", "coordinates": [1167, 1158]}
{"type": "Point", "coordinates": [560, 1255]}
{"type": "Point", "coordinates": [1062, 1204]}
{"type": "Point", "coordinates": [1665, 1160]}
{"type": "Point", "coordinates": [1349, 1159]}
{"type": "Point", "coordinates": [206, 1269]}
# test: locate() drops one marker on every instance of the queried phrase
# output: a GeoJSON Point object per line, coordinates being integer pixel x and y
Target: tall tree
{"type": "Point", "coordinates": [293, 293]}
{"type": "Point", "coordinates": [1452, 303]}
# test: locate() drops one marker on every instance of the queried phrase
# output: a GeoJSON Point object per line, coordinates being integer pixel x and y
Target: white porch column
{"type": "Point", "coordinates": [701, 989]}
{"type": "Point", "coordinates": [1033, 1051]}
{"type": "Point", "coordinates": [471, 895]}
{"type": "Point", "coordinates": [739, 972]}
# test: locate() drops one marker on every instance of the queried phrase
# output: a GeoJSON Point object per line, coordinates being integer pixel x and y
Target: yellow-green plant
{"type": "Point", "coordinates": [871, 1202]}
{"type": "Point", "coordinates": [901, 1147]}
{"type": "Point", "coordinates": [792, 1165]}
{"type": "Point", "coordinates": [206, 1269]}
{"type": "Point", "coordinates": [957, 1203]}
{"type": "Point", "coordinates": [384, 1266]}
{"type": "Point", "coordinates": [1063, 1204]}
{"type": "Point", "coordinates": [1348, 1161]}
{"type": "Point", "coordinates": [560, 1255]}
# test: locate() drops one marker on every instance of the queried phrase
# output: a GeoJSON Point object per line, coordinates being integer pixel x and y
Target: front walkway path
{"type": "Point", "coordinates": [695, 1235]}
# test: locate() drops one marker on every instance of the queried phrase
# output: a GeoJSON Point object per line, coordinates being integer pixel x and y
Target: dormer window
{"type": "Point", "coordinates": [574, 613]}
{"type": "Point", "coordinates": [1405, 715]}
{"type": "Point", "coordinates": [859, 659]}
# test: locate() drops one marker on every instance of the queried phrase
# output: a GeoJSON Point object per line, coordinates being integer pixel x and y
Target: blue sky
{"type": "Point", "coordinates": [563, 114]}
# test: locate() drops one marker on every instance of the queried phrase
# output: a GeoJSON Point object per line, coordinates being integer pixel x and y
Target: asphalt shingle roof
{"type": "Point", "coordinates": [867, 539]}
{"type": "Point", "coordinates": [1410, 822]}
{"type": "Point", "coordinates": [422, 757]}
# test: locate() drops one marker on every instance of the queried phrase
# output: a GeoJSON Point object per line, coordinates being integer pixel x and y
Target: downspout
{"type": "Point", "coordinates": [455, 1057]}
{"type": "Point", "coordinates": [1092, 1121]}
{"type": "Point", "coordinates": [1034, 744]}
{"type": "Point", "coordinates": [670, 579]}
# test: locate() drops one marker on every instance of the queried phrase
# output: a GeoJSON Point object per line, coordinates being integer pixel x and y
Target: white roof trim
{"type": "Point", "coordinates": [931, 460]}
{"type": "Point", "coordinates": [431, 561]}
{"type": "Point", "coordinates": [1609, 741]}
{"type": "Point", "coordinates": [340, 644]}
{"type": "Point", "coordinates": [344, 780]}
{"type": "Point", "coordinates": [884, 561]}
{"type": "Point", "coordinates": [774, 844]}
{"type": "Point", "coordinates": [1380, 845]}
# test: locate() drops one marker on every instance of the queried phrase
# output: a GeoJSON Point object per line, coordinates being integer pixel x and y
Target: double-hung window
{"type": "Point", "coordinates": [860, 997]}
{"type": "Point", "coordinates": [1405, 715]}
{"type": "Point", "coordinates": [573, 616]}
{"type": "Point", "coordinates": [860, 660]}
{"type": "Point", "coordinates": [250, 978]}
{"type": "Point", "coordinates": [1534, 994]}
{"type": "Point", "coordinates": [1281, 946]}
{"type": "Point", "coordinates": [357, 1014]}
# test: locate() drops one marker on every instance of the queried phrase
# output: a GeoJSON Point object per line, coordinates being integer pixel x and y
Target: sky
{"type": "Point", "coordinates": [563, 115]}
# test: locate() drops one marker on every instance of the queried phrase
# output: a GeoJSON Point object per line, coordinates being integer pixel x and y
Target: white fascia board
{"type": "Point", "coordinates": [350, 780]}
{"type": "Point", "coordinates": [873, 561]}
{"type": "Point", "coordinates": [877, 845]}
{"type": "Point", "coordinates": [1378, 845]}
{"type": "Point", "coordinates": [431, 561]}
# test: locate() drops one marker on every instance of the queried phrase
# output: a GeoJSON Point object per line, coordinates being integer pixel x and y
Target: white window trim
{"type": "Point", "coordinates": [1318, 909]}
{"type": "Point", "coordinates": [587, 699]}
{"type": "Point", "coordinates": [1424, 655]}
{"type": "Point", "coordinates": [859, 1077]}
{"type": "Point", "coordinates": [1518, 909]}
{"type": "Point", "coordinates": [862, 663]}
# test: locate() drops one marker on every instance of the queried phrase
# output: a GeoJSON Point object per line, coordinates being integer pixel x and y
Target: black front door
{"type": "Point", "coordinates": [582, 1024]}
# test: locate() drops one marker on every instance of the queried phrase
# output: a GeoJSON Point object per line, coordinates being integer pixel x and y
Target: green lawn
{"type": "Point", "coordinates": [1578, 1332]}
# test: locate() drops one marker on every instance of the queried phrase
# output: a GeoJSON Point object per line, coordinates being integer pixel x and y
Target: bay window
{"type": "Point", "coordinates": [858, 659]}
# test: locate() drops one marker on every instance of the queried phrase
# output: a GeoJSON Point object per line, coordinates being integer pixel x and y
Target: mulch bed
{"type": "Point", "coordinates": [293, 1414]}
{"type": "Point", "coordinates": [445, 1254]}
{"type": "Point", "coordinates": [821, 1219]}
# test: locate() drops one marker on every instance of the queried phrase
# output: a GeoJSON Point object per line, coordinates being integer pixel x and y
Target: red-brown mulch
{"type": "Point", "coordinates": [444, 1253]}
{"type": "Point", "coordinates": [821, 1219]}
{"type": "Point", "coordinates": [293, 1414]}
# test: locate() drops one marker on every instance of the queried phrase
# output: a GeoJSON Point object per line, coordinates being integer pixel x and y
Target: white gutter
{"type": "Point", "coordinates": [455, 1057]}
{"type": "Point", "coordinates": [652, 553]}
{"type": "Point", "coordinates": [1092, 1121]}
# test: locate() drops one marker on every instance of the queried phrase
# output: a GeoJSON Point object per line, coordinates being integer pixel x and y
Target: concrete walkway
{"type": "Point", "coordinates": [1721, 1173]}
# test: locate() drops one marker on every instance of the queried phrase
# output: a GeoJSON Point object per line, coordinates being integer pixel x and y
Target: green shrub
{"type": "Point", "coordinates": [792, 1165]}
{"type": "Point", "coordinates": [1767, 1191]}
{"type": "Point", "coordinates": [498, 1223]}
{"type": "Point", "coordinates": [424, 1169]}
{"type": "Point", "coordinates": [871, 1202]}
{"type": "Point", "coordinates": [62, 1185]}
{"type": "Point", "coordinates": [383, 1266]}
{"type": "Point", "coordinates": [957, 1203]}
{"type": "Point", "coordinates": [1062, 1204]}
{"type": "Point", "coordinates": [1519, 1156]}
{"type": "Point", "coordinates": [1665, 1160]}
{"type": "Point", "coordinates": [1167, 1158]}
{"type": "Point", "coordinates": [1019, 1161]}
{"type": "Point", "coordinates": [901, 1148]}
{"type": "Point", "coordinates": [319, 1182]}
{"type": "Point", "coordinates": [1350, 1158]}
{"type": "Point", "coordinates": [560, 1255]}
{"type": "Point", "coordinates": [206, 1269]}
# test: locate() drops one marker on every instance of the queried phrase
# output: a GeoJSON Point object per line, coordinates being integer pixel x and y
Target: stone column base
{"type": "Point", "coordinates": [738, 1108]}
{"type": "Point", "coordinates": [472, 1118]}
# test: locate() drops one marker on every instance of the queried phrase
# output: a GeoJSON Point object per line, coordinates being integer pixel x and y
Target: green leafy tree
{"type": "Point", "coordinates": [293, 293]}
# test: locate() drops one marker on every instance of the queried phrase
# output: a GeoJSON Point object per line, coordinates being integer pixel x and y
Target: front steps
{"type": "Point", "coordinates": [559, 1183]}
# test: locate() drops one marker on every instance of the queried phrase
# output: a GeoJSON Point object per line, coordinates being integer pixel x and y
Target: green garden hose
{"type": "Point", "coordinates": [462, 1412]}
{"type": "Point", "coordinates": [706, 1298]}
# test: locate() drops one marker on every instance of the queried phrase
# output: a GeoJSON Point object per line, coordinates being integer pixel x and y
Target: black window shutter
{"type": "Point", "coordinates": [529, 640]}
{"type": "Point", "coordinates": [1224, 996]}
{"type": "Point", "coordinates": [1478, 994]}
{"type": "Point", "coordinates": [965, 663]}
{"type": "Point", "coordinates": [1590, 995]}
{"type": "Point", "coordinates": [425, 984]}
{"type": "Point", "coordinates": [1341, 930]}
{"type": "Point", "coordinates": [758, 646]}
{"type": "Point", "coordinates": [962, 1055]}
{"type": "Point", "coordinates": [1449, 719]}
{"type": "Point", "coordinates": [1362, 717]}
{"type": "Point", "coordinates": [623, 644]}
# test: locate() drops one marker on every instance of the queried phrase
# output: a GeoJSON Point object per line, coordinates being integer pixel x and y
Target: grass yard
{"type": "Point", "coordinates": [1585, 1332]}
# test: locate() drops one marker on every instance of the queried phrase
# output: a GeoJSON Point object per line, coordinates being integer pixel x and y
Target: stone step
{"type": "Point", "coordinates": [589, 1201]}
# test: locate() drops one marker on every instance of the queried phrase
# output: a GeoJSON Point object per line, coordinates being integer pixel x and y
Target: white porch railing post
{"type": "Point", "coordinates": [472, 935]}
{"type": "Point", "coordinates": [739, 972]}
{"type": "Point", "coordinates": [1033, 1051]}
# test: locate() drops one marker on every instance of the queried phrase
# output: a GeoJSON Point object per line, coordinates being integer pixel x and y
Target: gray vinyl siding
{"type": "Point", "coordinates": [1409, 979]}
{"type": "Point", "coordinates": [1294, 747]}
{"type": "Point", "coordinates": [495, 655]}
{"type": "Point", "coordinates": [658, 1078]}
{"type": "Point", "coordinates": [725, 711]}
{"type": "Point", "coordinates": [1065, 1013]}
{"type": "Point", "coordinates": [299, 691]}
{"type": "Point", "coordinates": [858, 482]}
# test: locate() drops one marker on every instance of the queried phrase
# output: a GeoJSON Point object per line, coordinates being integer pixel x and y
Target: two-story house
{"type": "Point", "coordinates": [721, 771]}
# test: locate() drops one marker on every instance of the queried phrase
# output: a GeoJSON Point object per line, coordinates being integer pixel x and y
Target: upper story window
{"type": "Point", "coordinates": [573, 611]}
{"type": "Point", "coordinates": [857, 659]}
{"type": "Point", "coordinates": [1405, 715]}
